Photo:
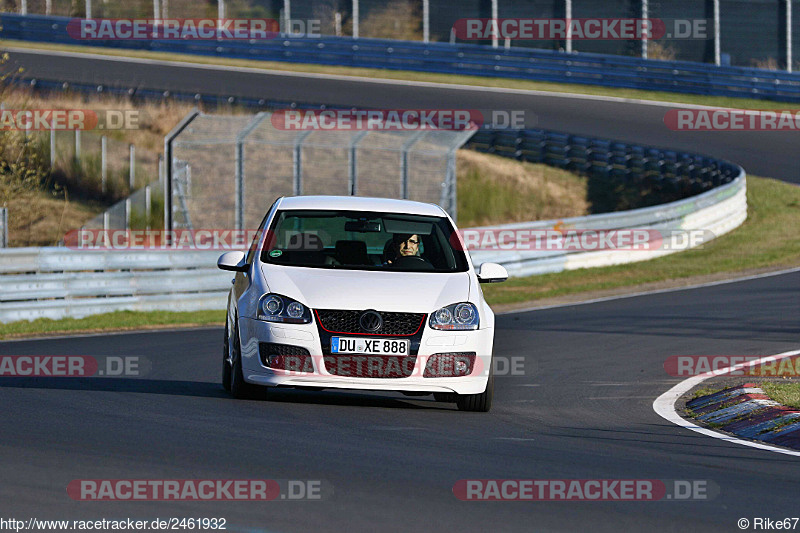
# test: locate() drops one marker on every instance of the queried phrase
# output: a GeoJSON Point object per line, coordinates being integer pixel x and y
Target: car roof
{"type": "Point", "coordinates": [360, 203]}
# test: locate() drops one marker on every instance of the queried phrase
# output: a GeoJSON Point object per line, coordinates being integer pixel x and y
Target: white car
{"type": "Point", "coordinates": [360, 293]}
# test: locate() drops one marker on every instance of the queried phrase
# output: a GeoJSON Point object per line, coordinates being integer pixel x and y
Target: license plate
{"type": "Point", "coordinates": [370, 346]}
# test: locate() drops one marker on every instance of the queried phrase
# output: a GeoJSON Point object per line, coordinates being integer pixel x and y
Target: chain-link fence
{"type": "Point", "coordinates": [227, 170]}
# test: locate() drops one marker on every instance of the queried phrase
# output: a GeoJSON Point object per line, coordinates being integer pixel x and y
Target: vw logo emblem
{"type": "Point", "coordinates": [370, 321]}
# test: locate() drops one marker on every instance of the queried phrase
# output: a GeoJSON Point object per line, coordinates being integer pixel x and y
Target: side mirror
{"type": "Point", "coordinates": [492, 273]}
{"type": "Point", "coordinates": [233, 261]}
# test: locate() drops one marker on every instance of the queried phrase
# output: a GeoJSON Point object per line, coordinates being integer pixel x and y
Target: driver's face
{"type": "Point", "coordinates": [410, 246]}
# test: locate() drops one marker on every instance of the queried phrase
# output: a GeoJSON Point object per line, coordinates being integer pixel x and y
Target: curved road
{"type": "Point", "coordinates": [581, 410]}
{"type": "Point", "coordinates": [762, 153]}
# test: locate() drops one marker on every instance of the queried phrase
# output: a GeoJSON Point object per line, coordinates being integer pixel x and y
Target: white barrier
{"type": "Point", "coordinates": [56, 282]}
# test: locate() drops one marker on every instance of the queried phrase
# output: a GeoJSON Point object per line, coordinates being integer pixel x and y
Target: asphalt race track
{"type": "Point", "coordinates": [770, 154]}
{"type": "Point", "coordinates": [582, 408]}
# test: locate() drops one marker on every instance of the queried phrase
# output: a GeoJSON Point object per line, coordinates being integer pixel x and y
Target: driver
{"type": "Point", "coordinates": [404, 244]}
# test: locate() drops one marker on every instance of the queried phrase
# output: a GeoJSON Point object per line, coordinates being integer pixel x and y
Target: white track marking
{"type": "Point", "coordinates": [664, 405]}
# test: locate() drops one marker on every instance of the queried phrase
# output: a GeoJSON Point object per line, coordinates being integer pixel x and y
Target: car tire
{"type": "Point", "coordinates": [477, 402]}
{"type": "Point", "coordinates": [240, 389]}
{"type": "Point", "coordinates": [226, 366]}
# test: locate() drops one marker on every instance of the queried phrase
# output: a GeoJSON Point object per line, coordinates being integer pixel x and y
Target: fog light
{"type": "Point", "coordinates": [276, 361]}
{"type": "Point", "coordinates": [461, 367]}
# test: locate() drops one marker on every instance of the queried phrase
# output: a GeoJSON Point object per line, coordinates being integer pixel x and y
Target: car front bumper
{"type": "Point", "coordinates": [252, 332]}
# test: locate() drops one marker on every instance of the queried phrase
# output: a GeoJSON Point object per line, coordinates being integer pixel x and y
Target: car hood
{"type": "Point", "coordinates": [410, 292]}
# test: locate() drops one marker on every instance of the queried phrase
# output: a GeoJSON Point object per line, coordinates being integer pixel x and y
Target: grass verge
{"type": "Point", "coordinates": [787, 394]}
{"type": "Point", "coordinates": [414, 76]}
{"type": "Point", "coordinates": [117, 321]}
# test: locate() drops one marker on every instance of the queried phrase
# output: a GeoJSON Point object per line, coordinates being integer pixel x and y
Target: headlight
{"type": "Point", "coordinates": [463, 316]}
{"type": "Point", "coordinates": [277, 308]}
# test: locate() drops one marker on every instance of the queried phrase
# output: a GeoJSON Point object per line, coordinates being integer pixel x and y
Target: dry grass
{"type": "Point", "coordinates": [495, 190]}
{"type": "Point", "coordinates": [769, 63]}
{"type": "Point", "coordinates": [664, 52]}
{"type": "Point", "coordinates": [155, 119]}
{"type": "Point", "coordinates": [45, 209]}
{"type": "Point", "coordinates": [42, 218]}
{"type": "Point", "coordinates": [397, 20]}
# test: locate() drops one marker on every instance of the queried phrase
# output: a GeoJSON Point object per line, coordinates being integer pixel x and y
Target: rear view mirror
{"type": "Point", "coordinates": [362, 226]}
{"type": "Point", "coordinates": [492, 273]}
{"type": "Point", "coordinates": [233, 261]}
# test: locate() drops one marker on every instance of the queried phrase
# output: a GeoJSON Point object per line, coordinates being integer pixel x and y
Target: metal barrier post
{"type": "Point", "coordinates": [147, 206]}
{"type": "Point", "coordinates": [404, 162]}
{"type": "Point", "coordinates": [426, 21]}
{"type": "Point", "coordinates": [788, 35]}
{"type": "Point", "coordinates": [4, 224]}
{"type": "Point", "coordinates": [494, 20]}
{"type": "Point", "coordinates": [168, 165]}
{"type": "Point", "coordinates": [568, 13]}
{"type": "Point", "coordinates": [127, 213]}
{"type": "Point", "coordinates": [23, 7]}
{"type": "Point", "coordinates": [88, 9]}
{"type": "Point", "coordinates": [77, 154]}
{"type": "Point", "coordinates": [132, 166]}
{"type": "Point", "coordinates": [103, 163]}
{"type": "Point", "coordinates": [450, 187]}
{"type": "Point", "coordinates": [353, 162]}
{"type": "Point", "coordinates": [355, 19]}
{"type": "Point", "coordinates": [287, 16]}
{"type": "Point", "coordinates": [52, 149]}
{"type": "Point", "coordinates": [717, 32]}
{"type": "Point", "coordinates": [297, 162]}
{"type": "Point", "coordinates": [645, 11]}
{"type": "Point", "coordinates": [239, 171]}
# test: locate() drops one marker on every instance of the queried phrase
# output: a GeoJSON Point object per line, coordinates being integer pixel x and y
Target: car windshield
{"type": "Point", "coordinates": [357, 240]}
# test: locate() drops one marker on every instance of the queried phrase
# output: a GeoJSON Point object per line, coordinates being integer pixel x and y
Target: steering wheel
{"type": "Point", "coordinates": [414, 262]}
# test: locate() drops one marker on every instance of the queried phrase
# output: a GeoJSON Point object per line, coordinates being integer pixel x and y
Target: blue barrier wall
{"type": "Point", "coordinates": [476, 60]}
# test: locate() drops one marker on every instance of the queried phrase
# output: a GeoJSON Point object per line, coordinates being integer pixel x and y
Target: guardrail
{"type": "Point", "coordinates": [56, 282]}
{"type": "Point", "coordinates": [464, 59]}
{"type": "Point", "coordinates": [59, 282]}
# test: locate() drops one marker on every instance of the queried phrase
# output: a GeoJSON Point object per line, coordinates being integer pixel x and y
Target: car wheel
{"type": "Point", "coordinates": [226, 363]}
{"type": "Point", "coordinates": [477, 402]}
{"type": "Point", "coordinates": [239, 388]}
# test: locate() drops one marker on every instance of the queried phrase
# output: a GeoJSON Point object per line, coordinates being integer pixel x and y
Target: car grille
{"type": "Point", "coordinates": [345, 321]}
{"type": "Point", "coordinates": [285, 357]}
{"type": "Point", "coordinates": [370, 366]}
